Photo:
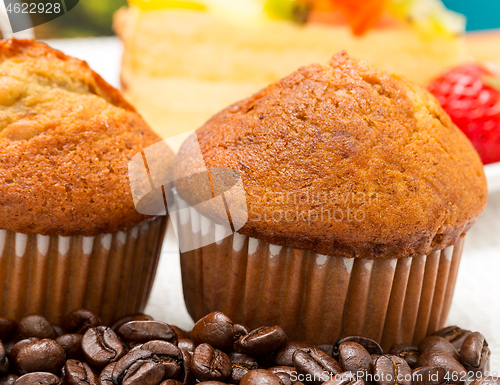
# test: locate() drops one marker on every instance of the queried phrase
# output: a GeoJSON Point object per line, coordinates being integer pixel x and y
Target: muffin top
{"type": "Point", "coordinates": [346, 161]}
{"type": "Point", "coordinates": [66, 137]}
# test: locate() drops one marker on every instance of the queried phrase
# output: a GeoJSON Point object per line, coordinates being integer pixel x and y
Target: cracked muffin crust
{"type": "Point", "coordinates": [347, 161]}
{"type": "Point", "coordinates": [66, 137]}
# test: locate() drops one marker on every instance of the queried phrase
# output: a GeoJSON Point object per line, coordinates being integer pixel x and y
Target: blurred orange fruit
{"type": "Point", "coordinates": [362, 15]}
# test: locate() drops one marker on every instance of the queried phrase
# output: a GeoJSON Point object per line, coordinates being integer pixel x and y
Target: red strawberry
{"type": "Point", "coordinates": [470, 94]}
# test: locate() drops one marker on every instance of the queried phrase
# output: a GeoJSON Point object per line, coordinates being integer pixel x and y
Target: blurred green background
{"type": "Point", "coordinates": [94, 17]}
{"type": "Point", "coordinates": [88, 18]}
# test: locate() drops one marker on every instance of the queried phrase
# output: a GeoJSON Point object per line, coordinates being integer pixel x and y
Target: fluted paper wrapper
{"type": "Point", "coordinates": [109, 274]}
{"type": "Point", "coordinates": [318, 298]}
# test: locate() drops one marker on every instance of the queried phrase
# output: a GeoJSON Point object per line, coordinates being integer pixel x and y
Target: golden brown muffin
{"type": "Point", "coordinates": [70, 236]}
{"type": "Point", "coordinates": [66, 137]}
{"type": "Point", "coordinates": [344, 138]}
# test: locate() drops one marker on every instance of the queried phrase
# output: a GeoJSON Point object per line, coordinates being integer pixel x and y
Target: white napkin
{"type": "Point", "coordinates": [476, 303]}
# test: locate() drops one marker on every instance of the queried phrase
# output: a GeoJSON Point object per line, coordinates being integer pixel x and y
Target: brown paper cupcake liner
{"type": "Point", "coordinates": [315, 297]}
{"type": "Point", "coordinates": [110, 274]}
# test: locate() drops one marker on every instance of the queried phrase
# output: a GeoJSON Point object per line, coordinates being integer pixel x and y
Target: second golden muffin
{"type": "Point", "coordinates": [359, 190]}
{"type": "Point", "coordinates": [70, 236]}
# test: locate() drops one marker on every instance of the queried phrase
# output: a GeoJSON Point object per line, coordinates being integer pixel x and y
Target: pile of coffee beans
{"type": "Point", "coordinates": [139, 350]}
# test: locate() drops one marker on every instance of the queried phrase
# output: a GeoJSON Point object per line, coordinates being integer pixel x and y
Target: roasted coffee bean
{"type": "Point", "coordinates": [36, 326]}
{"type": "Point", "coordinates": [79, 373]}
{"type": "Point", "coordinates": [429, 375]}
{"type": "Point", "coordinates": [81, 320]}
{"type": "Point", "coordinates": [285, 373]}
{"type": "Point", "coordinates": [4, 361]}
{"type": "Point", "coordinates": [171, 382]}
{"type": "Point", "coordinates": [144, 373]}
{"type": "Point", "coordinates": [262, 341]}
{"type": "Point", "coordinates": [59, 330]}
{"type": "Point", "coordinates": [475, 354]}
{"type": "Point", "coordinates": [354, 358]}
{"type": "Point", "coordinates": [9, 379]}
{"type": "Point", "coordinates": [18, 346]}
{"type": "Point", "coordinates": [215, 329]}
{"type": "Point", "coordinates": [391, 370]}
{"type": "Point", "coordinates": [454, 335]}
{"type": "Point", "coordinates": [240, 331]}
{"type": "Point", "coordinates": [315, 365]}
{"type": "Point", "coordinates": [345, 378]}
{"type": "Point", "coordinates": [167, 354]}
{"type": "Point", "coordinates": [242, 358]}
{"type": "Point", "coordinates": [490, 380]}
{"type": "Point", "coordinates": [289, 370]}
{"type": "Point", "coordinates": [137, 332]}
{"type": "Point", "coordinates": [186, 344]}
{"type": "Point", "coordinates": [101, 346]}
{"type": "Point", "coordinates": [374, 358]}
{"type": "Point", "coordinates": [241, 364]}
{"type": "Point", "coordinates": [283, 357]}
{"type": "Point", "coordinates": [260, 377]}
{"type": "Point", "coordinates": [138, 347]}
{"type": "Point", "coordinates": [132, 317]}
{"type": "Point", "coordinates": [370, 345]}
{"type": "Point", "coordinates": [284, 378]}
{"type": "Point", "coordinates": [238, 371]}
{"type": "Point", "coordinates": [181, 334]}
{"type": "Point", "coordinates": [38, 378]}
{"type": "Point", "coordinates": [408, 353]}
{"type": "Point", "coordinates": [105, 378]}
{"type": "Point", "coordinates": [41, 356]}
{"type": "Point", "coordinates": [137, 368]}
{"type": "Point", "coordinates": [210, 364]}
{"type": "Point", "coordinates": [186, 376]}
{"type": "Point", "coordinates": [456, 372]}
{"type": "Point", "coordinates": [72, 345]}
{"type": "Point", "coordinates": [437, 343]}
{"type": "Point", "coordinates": [7, 328]}
{"type": "Point", "coordinates": [327, 348]}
